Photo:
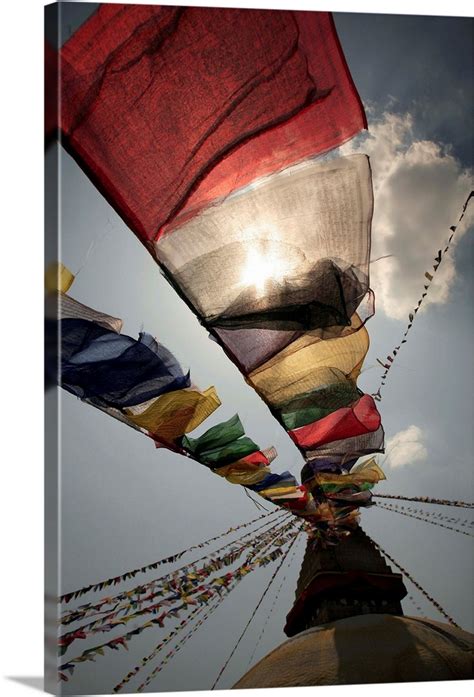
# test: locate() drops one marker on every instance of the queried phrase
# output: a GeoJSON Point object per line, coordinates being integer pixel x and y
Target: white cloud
{"type": "Point", "coordinates": [406, 447]}
{"type": "Point", "coordinates": [419, 191]}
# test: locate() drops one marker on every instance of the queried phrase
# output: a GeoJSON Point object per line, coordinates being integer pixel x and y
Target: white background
{"type": "Point", "coordinates": [21, 279]}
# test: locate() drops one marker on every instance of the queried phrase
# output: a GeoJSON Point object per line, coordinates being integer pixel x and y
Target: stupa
{"type": "Point", "coordinates": [347, 627]}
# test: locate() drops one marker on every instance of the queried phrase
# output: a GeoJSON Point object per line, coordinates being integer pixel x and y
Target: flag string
{"type": "Point", "coordinates": [275, 600]}
{"type": "Point", "coordinates": [179, 645]}
{"type": "Point", "coordinates": [182, 641]}
{"type": "Point", "coordinates": [394, 509]}
{"type": "Point", "coordinates": [158, 648]}
{"type": "Point", "coordinates": [462, 522]}
{"type": "Point", "coordinates": [171, 582]}
{"type": "Point", "coordinates": [438, 607]}
{"type": "Point", "coordinates": [388, 362]}
{"type": "Point", "coordinates": [255, 611]}
{"type": "Point", "coordinates": [412, 600]}
{"type": "Point", "coordinates": [91, 609]}
{"type": "Point", "coordinates": [184, 586]}
{"type": "Point", "coordinates": [261, 560]}
{"type": "Point", "coordinates": [166, 560]}
{"type": "Point", "coordinates": [426, 499]}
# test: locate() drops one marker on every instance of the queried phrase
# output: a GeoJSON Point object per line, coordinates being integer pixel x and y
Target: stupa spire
{"type": "Point", "coordinates": [351, 578]}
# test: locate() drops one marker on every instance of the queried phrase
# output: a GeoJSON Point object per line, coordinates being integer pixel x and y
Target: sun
{"type": "Point", "coordinates": [259, 268]}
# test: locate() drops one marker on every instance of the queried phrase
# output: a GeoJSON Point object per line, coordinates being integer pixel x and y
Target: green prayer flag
{"type": "Point", "coordinates": [231, 452]}
{"type": "Point", "coordinates": [216, 437]}
{"type": "Point", "coordinates": [312, 406]}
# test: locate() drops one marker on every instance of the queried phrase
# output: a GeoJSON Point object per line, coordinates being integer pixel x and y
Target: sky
{"type": "Point", "coordinates": [125, 504]}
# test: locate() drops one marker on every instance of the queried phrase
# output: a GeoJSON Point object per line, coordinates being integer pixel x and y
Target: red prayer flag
{"type": "Point", "coordinates": [297, 504]}
{"type": "Point", "coordinates": [168, 108]}
{"type": "Point", "coordinates": [362, 417]}
{"type": "Point", "coordinates": [257, 458]}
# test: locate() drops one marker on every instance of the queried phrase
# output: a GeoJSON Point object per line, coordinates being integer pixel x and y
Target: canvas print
{"type": "Point", "coordinates": [258, 364]}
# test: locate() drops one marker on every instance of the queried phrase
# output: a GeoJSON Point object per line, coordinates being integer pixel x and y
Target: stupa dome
{"type": "Point", "coordinates": [369, 648]}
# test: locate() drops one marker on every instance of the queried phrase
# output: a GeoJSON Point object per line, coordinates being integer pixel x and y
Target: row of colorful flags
{"type": "Point", "coordinates": [142, 384]}
{"type": "Point", "coordinates": [207, 146]}
{"type": "Point", "coordinates": [196, 587]}
{"type": "Point", "coordinates": [201, 127]}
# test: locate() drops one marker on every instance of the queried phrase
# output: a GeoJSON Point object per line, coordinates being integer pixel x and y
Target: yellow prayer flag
{"type": "Point", "coordinates": [369, 469]}
{"type": "Point", "coordinates": [57, 277]}
{"type": "Point", "coordinates": [309, 363]}
{"type": "Point", "coordinates": [248, 478]}
{"type": "Point", "coordinates": [366, 472]}
{"type": "Point", "coordinates": [175, 413]}
{"type": "Point", "coordinates": [238, 466]}
{"type": "Point", "coordinates": [275, 492]}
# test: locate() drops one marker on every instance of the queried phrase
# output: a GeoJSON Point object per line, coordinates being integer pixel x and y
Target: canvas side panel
{"type": "Point", "coordinates": [51, 403]}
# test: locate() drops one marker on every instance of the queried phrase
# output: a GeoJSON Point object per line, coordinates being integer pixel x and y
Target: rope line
{"type": "Point", "coordinates": [277, 595]}
{"type": "Point", "coordinates": [426, 499]}
{"type": "Point", "coordinates": [166, 560]}
{"type": "Point", "coordinates": [440, 516]}
{"type": "Point", "coordinates": [84, 610]}
{"type": "Point", "coordinates": [111, 620]}
{"type": "Point", "coordinates": [181, 643]}
{"type": "Point", "coordinates": [416, 606]}
{"type": "Point", "coordinates": [91, 610]}
{"type": "Point", "coordinates": [90, 654]}
{"type": "Point", "coordinates": [222, 593]}
{"type": "Point", "coordinates": [255, 611]}
{"type": "Point", "coordinates": [395, 509]}
{"type": "Point", "coordinates": [417, 585]}
{"type": "Point", "coordinates": [429, 277]}
{"type": "Point", "coordinates": [183, 588]}
{"type": "Point", "coordinates": [159, 647]}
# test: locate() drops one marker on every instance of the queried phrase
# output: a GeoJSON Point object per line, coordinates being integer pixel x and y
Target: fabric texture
{"type": "Point", "coordinates": [360, 478]}
{"type": "Point", "coordinates": [357, 498]}
{"type": "Point", "coordinates": [222, 444]}
{"type": "Point", "coordinates": [245, 478]}
{"type": "Point", "coordinates": [348, 448]}
{"type": "Point", "coordinates": [175, 413]}
{"type": "Point", "coordinates": [315, 405]}
{"type": "Point", "coordinates": [228, 453]}
{"type": "Point", "coordinates": [141, 384]}
{"type": "Point", "coordinates": [326, 464]}
{"type": "Point", "coordinates": [290, 252]}
{"type": "Point", "coordinates": [215, 437]}
{"type": "Point", "coordinates": [200, 127]}
{"type": "Point", "coordinates": [280, 271]}
{"type": "Point", "coordinates": [62, 306]}
{"type": "Point", "coordinates": [250, 347]}
{"type": "Point", "coordinates": [113, 369]}
{"type": "Point", "coordinates": [360, 418]}
{"type": "Point", "coordinates": [169, 108]}
{"type": "Point", "coordinates": [276, 480]}
{"type": "Point", "coordinates": [250, 463]}
{"type": "Point", "coordinates": [308, 364]}
{"type": "Point", "coordinates": [58, 277]}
